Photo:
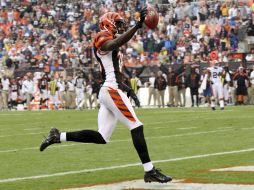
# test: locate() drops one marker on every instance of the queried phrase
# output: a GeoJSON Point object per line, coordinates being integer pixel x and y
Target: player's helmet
{"type": "Point", "coordinates": [109, 21]}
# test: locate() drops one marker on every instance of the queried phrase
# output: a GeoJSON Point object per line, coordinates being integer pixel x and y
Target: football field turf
{"type": "Point", "coordinates": [185, 143]}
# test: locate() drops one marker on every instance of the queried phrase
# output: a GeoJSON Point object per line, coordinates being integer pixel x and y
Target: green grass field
{"type": "Point", "coordinates": [181, 142]}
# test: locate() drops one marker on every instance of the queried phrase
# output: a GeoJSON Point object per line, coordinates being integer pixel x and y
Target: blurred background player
{"type": "Point", "coordinates": [92, 90]}
{"type": "Point", "coordinates": [44, 88]}
{"type": "Point", "coordinates": [79, 83]}
{"type": "Point", "coordinates": [217, 87]}
{"type": "Point", "coordinates": [114, 103]}
{"type": "Point", "coordinates": [14, 93]}
{"type": "Point", "coordinates": [206, 87]}
{"type": "Point", "coordinates": [226, 79]}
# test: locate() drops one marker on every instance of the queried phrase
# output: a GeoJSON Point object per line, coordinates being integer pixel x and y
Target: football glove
{"type": "Point", "coordinates": [134, 97]}
{"type": "Point", "coordinates": [143, 14]}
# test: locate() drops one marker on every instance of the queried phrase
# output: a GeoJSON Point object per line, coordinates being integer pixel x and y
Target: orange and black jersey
{"type": "Point", "coordinates": [109, 62]}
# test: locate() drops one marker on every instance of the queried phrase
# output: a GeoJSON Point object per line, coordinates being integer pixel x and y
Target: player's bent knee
{"type": "Point", "coordinates": [137, 129]}
{"type": "Point", "coordinates": [100, 139]}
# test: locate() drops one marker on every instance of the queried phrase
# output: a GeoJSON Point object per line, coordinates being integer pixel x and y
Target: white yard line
{"type": "Point", "coordinates": [229, 128]}
{"type": "Point", "coordinates": [187, 128]}
{"type": "Point", "coordinates": [34, 133]}
{"type": "Point", "coordinates": [23, 134]}
{"type": "Point", "coordinates": [121, 166]}
{"type": "Point", "coordinates": [9, 114]}
{"type": "Point", "coordinates": [14, 114]}
{"type": "Point", "coordinates": [32, 129]}
{"type": "Point", "coordinates": [235, 169]}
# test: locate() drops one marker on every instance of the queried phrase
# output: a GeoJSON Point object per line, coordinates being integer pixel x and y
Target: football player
{"type": "Point", "coordinates": [217, 87]}
{"type": "Point", "coordinates": [114, 103]}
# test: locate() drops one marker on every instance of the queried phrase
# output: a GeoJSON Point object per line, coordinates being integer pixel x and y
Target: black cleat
{"type": "Point", "coordinates": [156, 176]}
{"type": "Point", "coordinates": [52, 138]}
{"type": "Point", "coordinates": [213, 108]}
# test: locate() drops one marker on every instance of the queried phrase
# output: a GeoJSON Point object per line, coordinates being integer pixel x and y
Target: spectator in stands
{"type": "Point", "coordinates": [224, 10]}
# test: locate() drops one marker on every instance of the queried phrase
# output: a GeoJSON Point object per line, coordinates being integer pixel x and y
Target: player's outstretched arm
{"type": "Point", "coordinates": [111, 45]}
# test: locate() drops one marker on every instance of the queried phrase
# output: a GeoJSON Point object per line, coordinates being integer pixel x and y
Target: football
{"type": "Point", "coordinates": [152, 17]}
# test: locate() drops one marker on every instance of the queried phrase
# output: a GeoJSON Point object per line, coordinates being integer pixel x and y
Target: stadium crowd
{"type": "Point", "coordinates": [52, 43]}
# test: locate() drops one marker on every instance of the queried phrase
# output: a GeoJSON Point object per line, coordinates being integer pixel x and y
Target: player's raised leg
{"type": "Point", "coordinates": [106, 122]}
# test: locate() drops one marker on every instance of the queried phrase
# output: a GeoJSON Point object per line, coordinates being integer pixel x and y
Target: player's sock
{"type": "Point", "coordinates": [141, 147]}
{"type": "Point", "coordinates": [148, 166]}
{"type": "Point", "coordinates": [85, 136]}
{"type": "Point", "coordinates": [212, 104]}
{"type": "Point", "coordinates": [221, 103]}
{"type": "Point", "coordinates": [63, 136]}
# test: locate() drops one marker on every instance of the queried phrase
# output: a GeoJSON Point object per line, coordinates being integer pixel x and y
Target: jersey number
{"type": "Point", "coordinates": [215, 75]}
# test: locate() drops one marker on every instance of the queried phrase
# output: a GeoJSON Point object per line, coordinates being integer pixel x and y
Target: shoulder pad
{"type": "Point", "coordinates": [101, 38]}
